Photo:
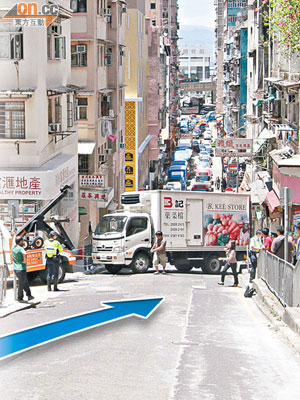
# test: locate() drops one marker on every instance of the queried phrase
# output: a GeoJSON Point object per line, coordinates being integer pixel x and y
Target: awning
{"type": "Point", "coordinates": [105, 90]}
{"type": "Point", "coordinates": [272, 201]}
{"type": "Point", "coordinates": [261, 139]}
{"type": "Point", "coordinates": [18, 92]}
{"type": "Point", "coordinates": [86, 147]}
{"type": "Point", "coordinates": [59, 90]}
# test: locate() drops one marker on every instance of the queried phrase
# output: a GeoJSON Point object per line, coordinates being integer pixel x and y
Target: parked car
{"type": "Point", "coordinates": [207, 136]}
{"type": "Point", "coordinates": [172, 186]}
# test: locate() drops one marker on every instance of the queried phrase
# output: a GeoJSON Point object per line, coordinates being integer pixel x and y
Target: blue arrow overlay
{"type": "Point", "coordinates": [20, 341]}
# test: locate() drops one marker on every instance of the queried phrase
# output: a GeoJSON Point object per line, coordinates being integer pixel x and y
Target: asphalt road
{"type": "Point", "coordinates": [203, 342]}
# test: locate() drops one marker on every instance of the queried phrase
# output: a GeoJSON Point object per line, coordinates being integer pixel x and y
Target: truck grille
{"type": "Point", "coordinates": [130, 199]}
{"type": "Point", "coordinates": [104, 248]}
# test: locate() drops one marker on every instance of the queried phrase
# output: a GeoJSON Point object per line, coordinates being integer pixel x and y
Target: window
{"type": "Point", "coordinates": [136, 225]}
{"type": "Point", "coordinates": [105, 105]}
{"type": "Point", "coordinates": [78, 6]}
{"type": "Point", "coordinates": [207, 72]}
{"type": "Point", "coordinates": [108, 57]}
{"type": "Point", "coordinates": [11, 42]}
{"type": "Point", "coordinates": [207, 59]}
{"type": "Point", "coordinates": [79, 55]}
{"type": "Point", "coordinates": [83, 163]}
{"type": "Point", "coordinates": [12, 120]}
{"type": "Point", "coordinates": [153, 22]}
{"type": "Point", "coordinates": [153, 6]}
{"type": "Point", "coordinates": [100, 56]}
{"type": "Point", "coordinates": [56, 43]}
{"type": "Point", "coordinates": [82, 108]}
{"type": "Point", "coordinates": [57, 109]}
{"type": "Point", "coordinates": [70, 111]}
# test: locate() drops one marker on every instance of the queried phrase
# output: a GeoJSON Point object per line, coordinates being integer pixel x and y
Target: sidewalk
{"type": "Point", "coordinates": [38, 290]}
{"type": "Point", "coordinates": [285, 319]}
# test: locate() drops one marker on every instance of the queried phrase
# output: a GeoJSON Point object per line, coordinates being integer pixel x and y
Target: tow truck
{"type": "Point", "coordinates": [33, 242]}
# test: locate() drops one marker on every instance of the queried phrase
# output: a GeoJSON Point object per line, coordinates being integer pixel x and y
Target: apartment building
{"type": "Point", "coordinates": [97, 55]}
{"type": "Point", "coordinates": [195, 62]}
{"type": "Point", "coordinates": [38, 133]}
{"type": "Point", "coordinates": [137, 137]}
{"type": "Point", "coordinates": [157, 108]}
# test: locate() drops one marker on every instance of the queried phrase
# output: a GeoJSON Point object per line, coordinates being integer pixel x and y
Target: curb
{"type": "Point", "coordinates": [285, 320]}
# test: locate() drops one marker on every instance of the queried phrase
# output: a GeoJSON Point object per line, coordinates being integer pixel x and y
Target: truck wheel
{"type": "Point", "coordinates": [61, 274]}
{"type": "Point", "coordinates": [113, 269]}
{"type": "Point", "coordinates": [211, 265]}
{"type": "Point", "coordinates": [37, 242]}
{"type": "Point", "coordinates": [183, 268]}
{"type": "Point", "coordinates": [140, 263]}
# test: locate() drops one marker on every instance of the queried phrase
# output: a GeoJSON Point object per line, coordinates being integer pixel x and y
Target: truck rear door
{"type": "Point", "coordinates": [194, 212]}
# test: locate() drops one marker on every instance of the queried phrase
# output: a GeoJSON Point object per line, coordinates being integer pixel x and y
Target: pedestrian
{"type": "Point", "coordinates": [160, 254]}
{"type": "Point", "coordinates": [19, 265]}
{"type": "Point", "coordinates": [273, 236]}
{"type": "Point", "coordinates": [255, 247]}
{"type": "Point", "coordinates": [267, 241]}
{"type": "Point", "coordinates": [278, 245]}
{"type": "Point", "coordinates": [53, 249]}
{"type": "Point", "coordinates": [230, 263]}
{"type": "Point", "coordinates": [218, 183]}
{"type": "Point", "coordinates": [223, 184]}
{"type": "Point", "coordinates": [297, 250]}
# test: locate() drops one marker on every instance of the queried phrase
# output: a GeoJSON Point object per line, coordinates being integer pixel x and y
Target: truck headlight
{"type": "Point", "coordinates": [118, 249]}
{"type": "Point", "coordinates": [94, 249]}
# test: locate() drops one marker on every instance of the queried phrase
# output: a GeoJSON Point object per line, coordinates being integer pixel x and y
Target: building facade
{"type": "Point", "coordinates": [38, 133]}
{"type": "Point", "coordinates": [97, 51]}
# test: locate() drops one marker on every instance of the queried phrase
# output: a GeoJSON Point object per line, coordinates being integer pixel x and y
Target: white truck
{"type": "Point", "coordinates": [196, 226]}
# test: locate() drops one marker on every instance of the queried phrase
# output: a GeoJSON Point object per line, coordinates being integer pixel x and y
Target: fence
{"type": "Point", "coordinates": [282, 278]}
{"type": "Point", "coordinates": [3, 283]}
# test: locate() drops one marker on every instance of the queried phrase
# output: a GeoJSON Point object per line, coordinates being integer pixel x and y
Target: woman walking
{"type": "Point", "coordinates": [230, 263]}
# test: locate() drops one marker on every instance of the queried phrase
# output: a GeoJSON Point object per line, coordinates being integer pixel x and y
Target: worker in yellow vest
{"type": "Point", "coordinates": [53, 248]}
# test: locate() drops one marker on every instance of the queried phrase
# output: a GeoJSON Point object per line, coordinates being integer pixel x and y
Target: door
{"type": "Point", "coordinates": [138, 233]}
{"type": "Point", "coordinates": [194, 222]}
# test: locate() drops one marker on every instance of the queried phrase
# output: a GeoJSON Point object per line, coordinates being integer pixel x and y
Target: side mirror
{"type": "Point", "coordinates": [90, 228]}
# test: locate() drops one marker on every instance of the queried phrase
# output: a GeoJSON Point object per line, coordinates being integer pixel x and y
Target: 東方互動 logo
{"type": "Point", "coordinates": [29, 14]}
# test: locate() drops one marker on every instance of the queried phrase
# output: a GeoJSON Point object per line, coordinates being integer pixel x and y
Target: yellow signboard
{"type": "Point", "coordinates": [129, 156]}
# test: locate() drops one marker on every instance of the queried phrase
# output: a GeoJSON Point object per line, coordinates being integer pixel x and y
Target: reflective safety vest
{"type": "Point", "coordinates": [256, 243]}
{"type": "Point", "coordinates": [52, 247]}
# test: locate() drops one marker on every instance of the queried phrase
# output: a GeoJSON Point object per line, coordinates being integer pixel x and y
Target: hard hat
{"type": "Point", "coordinates": [52, 233]}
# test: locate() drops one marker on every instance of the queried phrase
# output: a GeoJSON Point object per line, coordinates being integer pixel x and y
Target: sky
{"type": "Point", "coordinates": [197, 12]}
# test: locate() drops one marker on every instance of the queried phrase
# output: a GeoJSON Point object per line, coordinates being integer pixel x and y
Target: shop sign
{"type": "Point", "coordinates": [130, 156]}
{"type": "Point", "coordinates": [90, 195]}
{"type": "Point", "coordinates": [37, 184]}
{"type": "Point", "coordinates": [91, 180]}
{"type": "Point", "coordinates": [129, 184]}
{"type": "Point", "coordinates": [234, 147]}
{"type": "Point", "coordinates": [129, 170]}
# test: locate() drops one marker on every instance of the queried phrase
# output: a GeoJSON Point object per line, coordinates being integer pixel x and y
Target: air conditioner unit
{"type": "Point", "coordinates": [123, 10]}
{"type": "Point", "coordinates": [54, 128]}
{"type": "Point", "coordinates": [81, 48]}
{"type": "Point", "coordinates": [109, 152]}
{"type": "Point", "coordinates": [122, 53]}
{"type": "Point", "coordinates": [107, 11]}
{"type": "Point", "coordinates": [102, 158]}
{"type": "Point", "coordinates": [108, 18]}
{"type": "Point", "coordinates": [111, 113]}
{"type": "Point", "coordinates": [122, 145]}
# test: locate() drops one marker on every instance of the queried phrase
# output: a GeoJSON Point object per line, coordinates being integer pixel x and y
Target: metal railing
{"type": "Point", "coordinates": [282, 278]}
{"type": "Point", "coordinates": [3, 283]}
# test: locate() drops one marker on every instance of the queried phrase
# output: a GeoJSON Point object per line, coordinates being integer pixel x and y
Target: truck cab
{"type": "Point", "coordinates": [122, 240]}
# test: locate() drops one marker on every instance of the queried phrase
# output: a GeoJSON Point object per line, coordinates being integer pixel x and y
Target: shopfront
{"type": "Point", "coordinates": [35, 187]}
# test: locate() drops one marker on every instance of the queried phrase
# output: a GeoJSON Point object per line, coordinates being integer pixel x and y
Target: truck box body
{"type": "Point", "coordinates": [196, 225]}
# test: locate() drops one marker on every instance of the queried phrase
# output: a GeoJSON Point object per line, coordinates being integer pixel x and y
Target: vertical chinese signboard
{"type": "Point", "coordinates": [130, 146]}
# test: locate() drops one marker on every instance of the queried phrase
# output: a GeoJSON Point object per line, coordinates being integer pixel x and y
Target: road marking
{"type": "Point", "coordinates": [20, 341]}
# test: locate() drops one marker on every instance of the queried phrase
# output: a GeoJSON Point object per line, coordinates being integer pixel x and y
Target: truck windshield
{"type": "Point", "coordinates": [111, 224]}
